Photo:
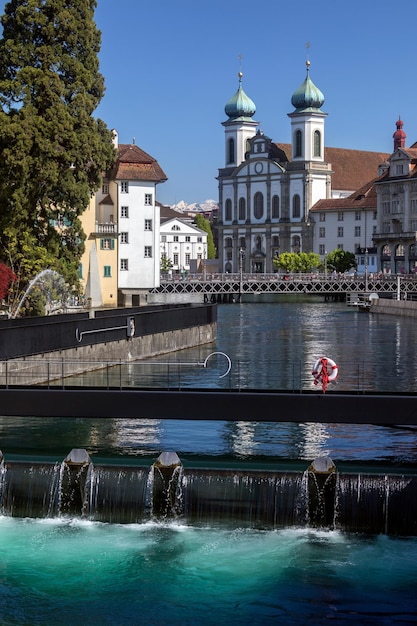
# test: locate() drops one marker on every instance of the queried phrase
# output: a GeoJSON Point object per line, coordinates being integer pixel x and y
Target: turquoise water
{"type": "Point", "coordinates": [65, 572]}
{"type": "Point", "coordinates": [69, 572]}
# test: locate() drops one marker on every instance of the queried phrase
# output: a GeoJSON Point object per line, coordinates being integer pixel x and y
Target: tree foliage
{"type": "Point", "coordinates": [53, 151]}
{"type": "Point", "coordinates": [340, 261]}
{"type": "Point", "coordinates": [166, 263]}
{"type": "Point", "coordinates": [303, 262]}
{"type": "Point", "coordinates": [203, 224]}
{"type": "Point", "coordinates": [7, 276]}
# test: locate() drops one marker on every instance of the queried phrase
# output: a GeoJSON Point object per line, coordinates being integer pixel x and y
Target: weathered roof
{"type": "Point", "coordinates": [363, 198]}
{"type": "Point", "coordinates": [132, 163]}
{"type": "Point", "coordinates": [166, 213]}
{"type": "Point", "coordinates": [351, 168]}
{"type": "Point", "coordinates": [107, 200]}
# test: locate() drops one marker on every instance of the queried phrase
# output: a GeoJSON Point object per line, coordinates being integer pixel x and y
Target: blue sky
{"type": "Point", "coordinates": [170, 66]}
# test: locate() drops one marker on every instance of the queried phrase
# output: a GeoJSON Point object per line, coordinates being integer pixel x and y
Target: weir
{"type": "Point", "coordinates": [319, 497]}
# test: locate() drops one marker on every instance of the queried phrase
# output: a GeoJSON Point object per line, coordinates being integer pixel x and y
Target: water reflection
{"type": "Point", "coordinates": [271, 346]}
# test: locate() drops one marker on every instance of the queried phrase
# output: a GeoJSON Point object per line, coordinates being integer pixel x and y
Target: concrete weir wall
{"type": "Point", "coordinates": [56, 347]}
{"type": "Point", "coordinates": [401, 308]}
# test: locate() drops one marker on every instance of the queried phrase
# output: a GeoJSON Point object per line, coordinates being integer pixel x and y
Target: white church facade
{"type": "Point", "coordinates": [266, 189]}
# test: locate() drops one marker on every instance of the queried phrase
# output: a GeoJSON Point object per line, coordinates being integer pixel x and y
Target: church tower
{"type": "Point", "coordinates": [240, 126]}
{"type": "Point", "coordinates": [307, 122]}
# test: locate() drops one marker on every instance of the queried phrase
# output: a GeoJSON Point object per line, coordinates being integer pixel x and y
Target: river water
{"type": "Point", "coordinates": [64, 571]}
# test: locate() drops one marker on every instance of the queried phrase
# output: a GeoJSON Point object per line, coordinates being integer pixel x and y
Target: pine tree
{"type": "Point", "coordinates": [52, 150]}
{"type": "Point", "coordinates": [203, 224]}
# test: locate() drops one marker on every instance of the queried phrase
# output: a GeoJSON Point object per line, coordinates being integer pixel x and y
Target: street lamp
{"type": "Point", "coordinates": [366, 270]}
{"type": "Point", "coordinates": [325, 263]}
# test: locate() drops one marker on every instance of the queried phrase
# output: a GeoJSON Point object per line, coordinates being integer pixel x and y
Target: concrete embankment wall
{"type": "Point", "coordinates": [401, 308]}
{"type": "Point", "coordinates": [55, 347]}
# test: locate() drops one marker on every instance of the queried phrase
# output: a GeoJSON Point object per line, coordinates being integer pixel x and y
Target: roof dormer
{"type": "Point", "coordinates": [399, 163]}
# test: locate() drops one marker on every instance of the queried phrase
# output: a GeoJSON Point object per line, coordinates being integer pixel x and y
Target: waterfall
{"type": "Point", "coordinates": [118, 495]}
{"type": "Point", "coordinates": [260, 499]}
{"type": "Point", "coordinates": [319, 497]}
{"type": "Point", "coordinates": [375, 503]}
{"type": "Point", "coordinates": [30, 490]}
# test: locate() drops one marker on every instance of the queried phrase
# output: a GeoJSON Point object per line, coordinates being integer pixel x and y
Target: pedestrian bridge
{"type": "Point", "coordinates": [230, 287]}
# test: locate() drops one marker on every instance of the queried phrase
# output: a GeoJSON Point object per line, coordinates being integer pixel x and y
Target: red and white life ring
{"type": "Point", "coordinates": [318, 367]}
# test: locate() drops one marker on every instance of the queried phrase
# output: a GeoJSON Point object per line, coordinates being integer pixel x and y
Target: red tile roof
{"type": "Point", "coordinates": [132, 163]}
{"type": "Point", "coordinates": [363, 198]}
{"type": "Point", "coordinates": [351, 168]}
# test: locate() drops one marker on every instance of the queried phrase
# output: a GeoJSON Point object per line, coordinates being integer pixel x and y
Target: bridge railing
{"type": "Point", "coordinates": [293, 276]}
{"type": "Point", "coordinates": [216, 371]}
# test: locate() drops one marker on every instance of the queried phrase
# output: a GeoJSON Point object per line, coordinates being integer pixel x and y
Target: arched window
{"type": "Point", "coordinates": [175, 227]}
{"type": "Point", "coordinates": [228, 210]}
{"type": "Point", "coordinates": [298, 143]}
{"type": "Point", "coordinates": [400, 250]}
{"type": "Point", "coordinates": [258, 205]}
{"type": "Point", "coordinates": [242, 209]}
{"type": "Point", "coordinates": [275, 241]}
{"type": "Point", "coordinates": [231, 150]}
{"type": "Point", "coordinates": [228, 242]}
{"type": "Point", "coordinates": [296, 244]}
{"type": "Point", "coordinates": [242, 242]}
{"type": "Point", "coordinates": [386, 250]}
{"type": "Point", "coordinates": [275, 207]}
{"type": "Point", "coordinates": [317, 143]}
{"type": "Point", "coordinates": [296, 206]}
{"type": "Point", "coordinates": [258, 242]}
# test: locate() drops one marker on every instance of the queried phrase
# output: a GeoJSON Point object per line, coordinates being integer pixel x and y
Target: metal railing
{"type": "Point", "coordinates": [215, 371]}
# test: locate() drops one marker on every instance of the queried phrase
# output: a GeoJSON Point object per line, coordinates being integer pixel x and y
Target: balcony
{"type": "Point", "coordinates": [106, 228]}
{"type": "Point", "coordinates": [400, 236]}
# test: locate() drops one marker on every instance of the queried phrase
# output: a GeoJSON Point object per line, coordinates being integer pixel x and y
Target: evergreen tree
{"type": "Point", "coordinates": [203, 224]}
{"type": "Point", "coordinates": [52, 150]}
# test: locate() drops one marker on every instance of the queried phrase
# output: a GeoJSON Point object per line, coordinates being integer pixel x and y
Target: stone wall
{"type": "Point", "coordinates": [401, 308]}
{"type": "Point", "coordinates": [60, 364]}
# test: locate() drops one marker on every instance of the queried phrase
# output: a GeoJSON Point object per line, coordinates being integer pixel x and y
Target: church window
{"type": "Point", "coordinates": [228, 210]}
{"type": "Point", "coordinates": [275, 241]}
{"type": "Point", "coordinates": [296, 244]}
{"type": "Point", "coordinates": [296, 206]}
{"type": "Point", "coordinates": [275, 207]}
{"type": "Point", "coordinates": [317, 143]}
{"type": "Point", "coordinates": [258, 243]}
{"type": "Point", "coordinates": [242, 242]}
{"type": "Point", "coordinates": [242, 208]}
{"type": "Point", "coordinates": [231, 151]}
{"type": "Point", "coordinates": [298, 141]}
{"type": "Point", "coordinates": [228, 242]}
{"type": "Point", "coordinates": [258, 205]}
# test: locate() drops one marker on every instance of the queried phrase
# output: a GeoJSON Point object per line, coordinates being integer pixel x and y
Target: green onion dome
{"type": "Point", "coordinates": [240, 106]}
{"type": "Point", "coordinates": [307, 96]}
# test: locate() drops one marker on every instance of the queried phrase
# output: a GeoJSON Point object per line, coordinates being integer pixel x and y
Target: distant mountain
{"type": "Point", "coordinates": [202, 207]}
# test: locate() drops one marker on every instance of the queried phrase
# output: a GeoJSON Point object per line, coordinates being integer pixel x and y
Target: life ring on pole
{"type": "Point", "coordinates": [325, 371]}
